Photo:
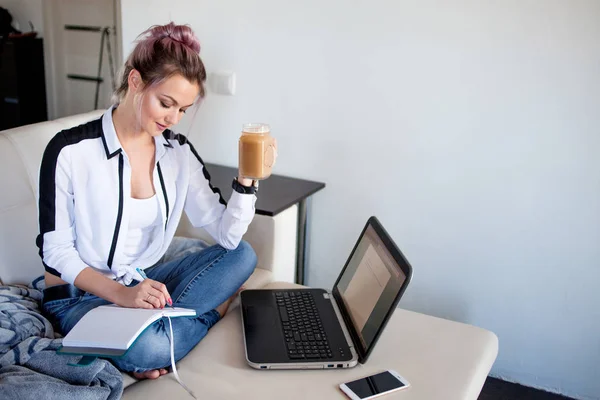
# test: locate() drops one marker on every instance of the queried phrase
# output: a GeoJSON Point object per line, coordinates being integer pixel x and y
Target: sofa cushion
{"type": "Point", "coordinates": [441, 359]}
{"type": "Point", "coordinates": [19, 259]}
{"type": "Point", "coordinates": [30, 141]}
{"type": "Point", "coordinates": [21, 151]}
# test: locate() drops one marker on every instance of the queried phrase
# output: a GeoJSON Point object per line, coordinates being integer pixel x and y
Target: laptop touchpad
{"type": "Point", "coordinates": [261, 316]}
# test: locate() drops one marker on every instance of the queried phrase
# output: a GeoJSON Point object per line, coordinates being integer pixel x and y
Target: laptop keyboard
{"type": "Point", "coordinates": [304, 334]}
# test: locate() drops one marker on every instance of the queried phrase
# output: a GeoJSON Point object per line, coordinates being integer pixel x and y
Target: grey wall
{"type": "Point", "coordinates": [470, 128]}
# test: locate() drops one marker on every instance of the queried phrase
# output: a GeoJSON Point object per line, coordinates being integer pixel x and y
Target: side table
{"type": "Point", "coordinates": [277, 195]}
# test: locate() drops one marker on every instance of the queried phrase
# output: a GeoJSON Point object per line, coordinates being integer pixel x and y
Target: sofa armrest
{"type": "Point", "coordinates": [272, 238]}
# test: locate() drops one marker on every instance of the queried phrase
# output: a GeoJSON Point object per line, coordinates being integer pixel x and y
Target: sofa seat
{"type": "Point", "coordinates": [21, 152]}
{"type": "Point", "coordinates": [442, 359]}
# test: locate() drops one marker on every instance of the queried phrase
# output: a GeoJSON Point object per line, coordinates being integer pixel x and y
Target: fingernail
{"type": "Point", "coordinates": [170, 301]}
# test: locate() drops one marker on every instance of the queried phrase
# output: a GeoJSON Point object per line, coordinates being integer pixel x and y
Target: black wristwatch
{"type": "Point", "coordinates": [238, 187]}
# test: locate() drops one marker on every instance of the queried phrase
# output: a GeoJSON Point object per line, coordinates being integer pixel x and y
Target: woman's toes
{"type": "Point", "coordinates": [152, 374]}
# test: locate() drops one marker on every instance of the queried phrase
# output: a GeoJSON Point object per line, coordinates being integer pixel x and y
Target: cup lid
{"type": "Point", "coordinates": [256, 127]}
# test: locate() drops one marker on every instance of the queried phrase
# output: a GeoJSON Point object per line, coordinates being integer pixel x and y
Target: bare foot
{"type": "Point", "coordinates": [222, 309]}
{"type": "Point", "coordinates": [151, 374]}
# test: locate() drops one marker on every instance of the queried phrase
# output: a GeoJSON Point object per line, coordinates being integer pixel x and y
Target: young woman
{"type": "Point", "coordinates": [111, 195]}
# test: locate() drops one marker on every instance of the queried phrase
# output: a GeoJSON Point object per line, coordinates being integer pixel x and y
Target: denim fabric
{"type": "Point", "coordinates": [201, 280]}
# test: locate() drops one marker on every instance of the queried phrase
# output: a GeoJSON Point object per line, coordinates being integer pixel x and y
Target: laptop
{"type": "Point", "coordinates": [309, 328]}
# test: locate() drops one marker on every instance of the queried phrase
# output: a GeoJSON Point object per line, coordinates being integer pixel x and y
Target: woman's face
{"type": "Point", "coordinates": [164, 104]}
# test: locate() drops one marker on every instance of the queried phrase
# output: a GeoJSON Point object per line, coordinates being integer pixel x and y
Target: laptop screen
{"type": "Point", "coordinates": [369, 285]}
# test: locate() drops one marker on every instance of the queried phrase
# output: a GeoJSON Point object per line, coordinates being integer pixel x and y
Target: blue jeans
{"type": "Point", "coordinates": [201, 280]}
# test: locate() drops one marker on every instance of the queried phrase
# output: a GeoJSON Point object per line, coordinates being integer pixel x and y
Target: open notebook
{"type": "Point", "coordinates": [110, 330]}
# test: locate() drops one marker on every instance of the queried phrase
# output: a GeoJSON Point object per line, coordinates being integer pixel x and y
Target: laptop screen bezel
{"type": "Point", "coordinates": [364, 352]}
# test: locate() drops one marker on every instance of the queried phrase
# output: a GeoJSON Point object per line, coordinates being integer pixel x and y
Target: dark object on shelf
{"type": "Point", "coordinates": [22, 82]}
{"type": "Point", "coordinates": [6, 27]}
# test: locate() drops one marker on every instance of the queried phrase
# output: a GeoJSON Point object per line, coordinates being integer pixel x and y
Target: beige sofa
{"type": "Point", "coordinates": [442, 359]}
{"type": "Point", "coordinates": [21, 151]}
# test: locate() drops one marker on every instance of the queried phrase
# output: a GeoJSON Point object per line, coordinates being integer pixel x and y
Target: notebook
{"type": "Point", "coordinates": [110, 330]}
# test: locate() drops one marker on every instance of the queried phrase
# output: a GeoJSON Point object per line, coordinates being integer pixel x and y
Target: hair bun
{"type": "Point", "coordinates": [161, 52]}
{"type": "Point", "coordinates": [182, 34]}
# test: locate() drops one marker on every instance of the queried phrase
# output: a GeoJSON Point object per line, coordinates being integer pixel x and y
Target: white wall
{"type": "Point", "coordinates": [471, 129]}
{"type": "Point", "coordinates": [24, 11]}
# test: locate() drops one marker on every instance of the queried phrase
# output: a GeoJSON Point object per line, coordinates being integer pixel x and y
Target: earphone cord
{"type": "Point", "coordinates": [171, 340]}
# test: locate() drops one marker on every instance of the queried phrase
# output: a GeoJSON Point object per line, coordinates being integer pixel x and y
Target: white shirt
{"type": "Point", "coordinates": [85, 205]}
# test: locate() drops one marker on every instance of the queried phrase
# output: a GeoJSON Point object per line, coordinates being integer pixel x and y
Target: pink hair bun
{"type": "Point", "coordinates": [162, 51]}
{"type": "Point", "coordinates": [178, 33]}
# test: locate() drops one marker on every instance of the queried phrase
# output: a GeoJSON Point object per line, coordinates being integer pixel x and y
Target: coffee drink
{"type": "Point", "coordinates": [256, 151]}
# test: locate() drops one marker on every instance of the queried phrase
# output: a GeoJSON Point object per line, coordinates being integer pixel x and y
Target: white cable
{"type": "Point", "coordinates": [171, 340]}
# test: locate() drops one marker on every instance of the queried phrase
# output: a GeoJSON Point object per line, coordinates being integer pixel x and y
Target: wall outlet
{"type": "Point", "coordinates": [222, 82]}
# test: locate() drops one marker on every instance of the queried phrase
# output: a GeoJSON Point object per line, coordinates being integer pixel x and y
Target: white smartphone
{"type": "Point", "coordinates": [374, 386]}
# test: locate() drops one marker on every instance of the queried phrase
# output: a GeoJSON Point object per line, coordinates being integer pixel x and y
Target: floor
{"type": "Point", "coordinates": [496, 389]}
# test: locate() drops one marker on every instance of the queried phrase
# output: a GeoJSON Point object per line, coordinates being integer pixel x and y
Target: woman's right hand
{"type": "Point", "coordinates": [146, 294]}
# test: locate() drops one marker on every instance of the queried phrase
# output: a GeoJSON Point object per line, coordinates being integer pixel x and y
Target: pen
{"type": "Point", "coordinates": [143, 275]}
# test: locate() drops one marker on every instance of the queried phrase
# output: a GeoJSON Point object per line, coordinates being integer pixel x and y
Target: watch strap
{"type": "Point", "coordinates": [238, 187]}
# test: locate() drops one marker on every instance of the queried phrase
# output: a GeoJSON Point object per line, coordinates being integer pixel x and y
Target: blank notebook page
{"type": "Point", "coordinates": [114, 327]}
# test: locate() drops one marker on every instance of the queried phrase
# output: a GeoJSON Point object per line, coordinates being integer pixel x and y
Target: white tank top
{"type": "Point", "coordinates": [143, 222]}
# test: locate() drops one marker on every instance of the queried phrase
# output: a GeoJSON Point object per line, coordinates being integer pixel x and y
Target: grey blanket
{"type": "Point", "coordinates": [30, 368]}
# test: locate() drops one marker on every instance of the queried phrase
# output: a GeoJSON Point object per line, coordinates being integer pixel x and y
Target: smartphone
{"type": "Point", "coordinates": [374, 386]}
